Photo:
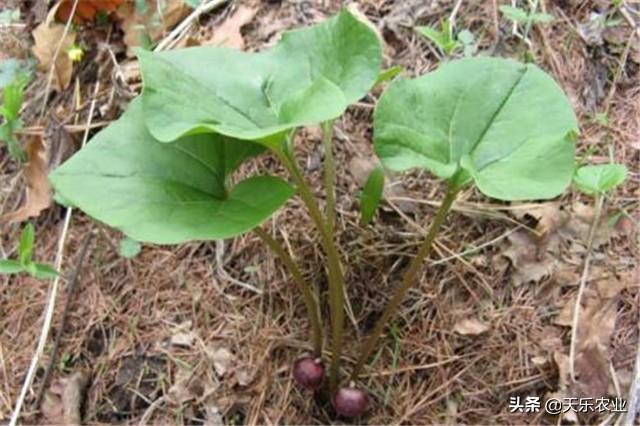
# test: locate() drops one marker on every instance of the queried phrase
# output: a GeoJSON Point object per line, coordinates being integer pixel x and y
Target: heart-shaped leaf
{"type": "Point", "coordinates": [310, 76]}
{"type": "Point", "coordinates": [598, 179]}
{"type": "Point", "coordinates": [504, 124]}
{"type": "Point", "coordinates": [167, 193]}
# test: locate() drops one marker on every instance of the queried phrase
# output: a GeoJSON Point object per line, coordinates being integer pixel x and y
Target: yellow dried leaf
{"type": "Point", "coordinates": [46, 37]}
{"type": "Point", "coordinates": [470, 326]}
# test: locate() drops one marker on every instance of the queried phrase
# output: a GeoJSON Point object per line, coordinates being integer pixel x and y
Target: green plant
{"type": "Point", "coordinates": [596, 181]}
{"type": "Point", "coordinates": [371, 195]}
{"type": "Point", "coordinates": [25, 262]}
{"type": "Point", "coordinates": [163, 172]}
{"type": "Point", "coordinates": [504, 126]}
{"type": "Point", "coordinates": [10, 110]}
{"type": "Point", "coordinates": [446, 41]}
{"type": "Point", "coordinates": [521, 16]}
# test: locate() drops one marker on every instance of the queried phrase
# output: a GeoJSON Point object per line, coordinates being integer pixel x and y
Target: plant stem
{"type": "Point", "coordinates": [309, 300]}
{"type": "Point", "coordinates": [336, 280]}
{"type": "Point", "coordinates": [407, 280]}
{"type": "Point", "coordinates": [583, 284]}
{"type": "Point", "coordinates": [329, 173]}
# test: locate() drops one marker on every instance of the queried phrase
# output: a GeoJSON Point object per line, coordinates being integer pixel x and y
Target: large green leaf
{"type": "Point", "coordinates": [167, 193]}
{"type": "Point", "coordinates": [504, 124]}
{"type": "Point", "coordinates": [310, 76]}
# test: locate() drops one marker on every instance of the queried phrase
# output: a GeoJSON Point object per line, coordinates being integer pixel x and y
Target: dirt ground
{"type": "Point", "coordinates": [205, 333]}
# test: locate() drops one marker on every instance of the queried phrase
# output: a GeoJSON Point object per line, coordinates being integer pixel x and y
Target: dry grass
{"type": "Point", "coordinates": [126, 312]}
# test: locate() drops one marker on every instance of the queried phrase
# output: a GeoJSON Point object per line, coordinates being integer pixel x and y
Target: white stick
{"type": "Point", "coordinates": [53, 290]}
{"type": "Point", "coordinates": [454, 12]}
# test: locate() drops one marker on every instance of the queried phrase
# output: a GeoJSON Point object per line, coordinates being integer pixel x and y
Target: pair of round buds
{"type": "Point", "coordinates": [349, 401]}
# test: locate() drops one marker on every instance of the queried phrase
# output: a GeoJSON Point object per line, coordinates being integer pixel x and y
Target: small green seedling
{"type": "Point", "coordinates": [25, 263]}
{"type": "Point", "coordinates": [388, 74]}
{"type": "Point", "coordinates": [446, 41]}
{"type": "Point", "coordinates": [503, 126]}
{"type": "Point", "coordinates": [528, 18]}
{"type": "Point", "coordinates": [10, 111]}
{"type": "Point", "coordinates": [129, 247]}
{"type": "Point", "coordinates": [595, 181]}
{"type": "Point", "coordinates": [371, 195]}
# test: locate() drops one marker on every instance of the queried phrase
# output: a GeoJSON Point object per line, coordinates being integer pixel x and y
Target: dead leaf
{"type": "Point", "coordinates": [535, 256]}
{"type": "Point", "coordinates": [185, 339]}
{"type": "Point", "coordinates": [151, 23]}
{"type": "Point", "coordinates": [228, 34]}
{"type": "Point", "coordinates": [592, 373]}
{"type": "Point", "coordinates": [577, 229]}
{"type": "Point", "coordinates": [213, 417]}
{"type": "Point", "coordinates": [361, 167]}
{"type": "Point", "coordinates": [470, 327]}
{"type": "Point", "coordinates": [38, 192]}
{"type": "Point", "coordinates": [46, 36]}
{"type": "Point", "coordinates": [63, 399]}
{"type": "Point", "coordinates": [549, 216]}
{"type": "Point", "coordinates": [245, 376]}
{"type": "Point", "coordinates": [187, 387]}
{"type": "Point", "coordinates": [86, 10]}
{"type": "Point", "coordinates": [222, 359]}
{"type": "Point", "coordinates": [530, 264]}
{"type": "Point", "coordinates": [596, 326]}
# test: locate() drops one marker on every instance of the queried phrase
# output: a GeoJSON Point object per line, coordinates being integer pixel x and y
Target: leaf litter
{"type": "Point", "coordinates": [559, 239]}
{"type": "Point", "coordinates": [228, 33]}
{"type": "Point", "coordinates": [38, 190]}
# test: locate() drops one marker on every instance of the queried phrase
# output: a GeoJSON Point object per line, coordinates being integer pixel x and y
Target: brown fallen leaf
{"type": "Point", "coordinates": [187, 387]}
{"type": "Point", "coordinates": [530, 264]}
{"type": "Point", "coordinates": [576, 230]}
{"type": "Point", "coordinates": [470, 327]}
{"type": "Point", "coordinates": [46, 36]}
{"type": "Point", "coordinates": [222, 359]}
{"type": "Point", "coordinates": [213, 417]}
{"type": "Point", "coordinates": [245, 375]}
{"type": "Point", "coordinates": [537, 255]}
{"type": "Point", "coordinates": [228, 34]}
{"type": "Point", "coordinates": [549, 216]}
{"type": "Point", "coordinates": [150, 24]}
{"type": "Point", "coordinates": [596, 327]}
{"type": "Point", "coordinates": [592, 373]}
{"type": "Point", "coordinates": [38, 192]}
{"type": "Point", "coordinates": [63, 399]}
{"type": "Point", "coordinates": [86, 10]}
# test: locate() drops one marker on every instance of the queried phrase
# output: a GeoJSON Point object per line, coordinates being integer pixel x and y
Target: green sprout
{"type": "Point", "coordinates": [446, 41]}
{"type": "Point", "coordinates": [25, 262]}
